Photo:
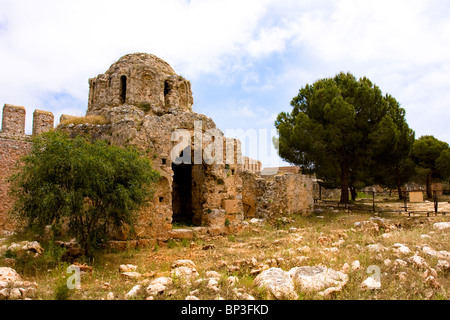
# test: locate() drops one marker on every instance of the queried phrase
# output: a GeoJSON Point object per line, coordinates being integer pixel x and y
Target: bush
{"type": "Point", "coordinates": [94, 186]}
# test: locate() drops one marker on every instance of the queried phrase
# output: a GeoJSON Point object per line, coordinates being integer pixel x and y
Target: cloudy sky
{"type": "Point", "coordinates": [246, 59]}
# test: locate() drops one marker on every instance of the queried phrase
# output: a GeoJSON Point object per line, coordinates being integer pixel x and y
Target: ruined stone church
{"type": "Point", "coordinates": [143, 102]}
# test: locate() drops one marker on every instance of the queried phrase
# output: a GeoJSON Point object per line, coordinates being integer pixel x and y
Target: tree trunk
{"type": "Point", "coordinates": [429, 192]}
{"type": "Point", "coordinates": [345, 182]}
{"type": "Point", "coordinates": [353, 192]}
{"type": "Point", "coordinates": [399, 186]}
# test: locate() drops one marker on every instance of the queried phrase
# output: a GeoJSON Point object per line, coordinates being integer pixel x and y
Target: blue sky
{"type": "Point", "coordinates": [246, 59]}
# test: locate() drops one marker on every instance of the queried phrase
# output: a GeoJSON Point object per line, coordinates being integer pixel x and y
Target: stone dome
{"type": "Point", "coordinates": [142, 80]}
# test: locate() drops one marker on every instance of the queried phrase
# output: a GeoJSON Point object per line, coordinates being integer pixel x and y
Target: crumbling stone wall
{"type": "Point", "coordinates": [276, 195]}
{"type": "Point", "coordinates": [14, 144]}
{"type": "Point", "coordinates": [156, 103]}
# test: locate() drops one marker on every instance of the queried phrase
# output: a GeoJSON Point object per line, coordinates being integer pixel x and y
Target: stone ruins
{"type": "Point", "coordinates": [143, 102]}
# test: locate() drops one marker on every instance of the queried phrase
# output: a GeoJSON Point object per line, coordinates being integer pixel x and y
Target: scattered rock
{"type": "Point", "coordinates": [418, 261]}
{"type": "Point", "coordinates": [110, 296]}
{"type": "Point", "coordinates": [155, 288]}
{"type": "Point", "coordinates": [402, 276]}
{"type": "Point", "coordinates": [257, 221]}
{"type": "Point", "coordinates": [183, 263]}
{"type": "Point", "coordinates": [208, 247]}
{"type": "Point", "coordinates": [387, 262]}
{"type": "Point", "coordinates": [441, 225]}
{"type": "Point", "coordinates": [212, 275]}
{"type": "Point", "coordinates": [376, 247]}
{"type": "Point", "coordinates": [192, 298]}
{"type": "Point", "coordinates": [9, 275]}
{"type": "Point", "coordinates": [185, 272]}
{"type": "Point", "coordinates": [127, 268]}
{"type": "Point", "coordinates": [131, 275]}
{"type": "Point", "coordinates": [304, 249]}
{"type": "Point", "coordinates": [317, 278]}
{"type": "Point", "coordinates": [33, 247]}
{"type": "Point", "coordinates": [442, 265]}
{"type": "Point", "coordinates": [277, 282]}
{"type": "Point", "coordinates": [442, 255]}
{"type": "Point", "coordinates": [432, 281]}
{"type": "Point", "coordinates": [165, 281]}
{"type": "Point", "coordinates": [232, 281]}
{"type": "Point", "coordinates": [132, 293]}
{"type": "Point", "coordinates": [371, 284]}
{"type": "Point", "coordinates": [400, 263]}
{"type": "Point", "coordinates": [13, 288]}
{"type": "Point", "coordinates": [401, 248]}
{"type": "Point", "coordinates": [213, 284]}
{"type": "Point", "coordinates": [83, 267]}
{"type": "Point", "coordinates": [356, 265]}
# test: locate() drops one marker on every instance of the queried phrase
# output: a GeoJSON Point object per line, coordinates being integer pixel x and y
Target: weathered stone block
{"type": "Point", "coordinates": [231, 206]}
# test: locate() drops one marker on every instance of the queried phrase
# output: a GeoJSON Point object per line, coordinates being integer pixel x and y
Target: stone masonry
{"type": "Point", "coordinates": [205, 182]}
{"type": "Point", "coordinates": [14, 144]}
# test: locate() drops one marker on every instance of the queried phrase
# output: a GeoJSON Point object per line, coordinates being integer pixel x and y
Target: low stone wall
{"type": "Point", "coordinates": [277, 195]}
{"type": "Point", "coordinates": [10, 152]}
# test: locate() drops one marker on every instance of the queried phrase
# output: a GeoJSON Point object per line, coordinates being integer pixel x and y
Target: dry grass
{"type": "Point", "coordinates": [265, 244]}
{"type": "Point", "coordinates": [93, 119]}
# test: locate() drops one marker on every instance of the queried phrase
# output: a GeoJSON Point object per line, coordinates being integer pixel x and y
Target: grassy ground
{"type": "Point", "coordinates": [271, 244]}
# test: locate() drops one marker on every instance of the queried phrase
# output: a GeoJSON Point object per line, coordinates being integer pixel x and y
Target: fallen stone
{"type": "Point", "coordinates": [182, 234]}
{"type": "Point", "coordinates": [442, 265]}
{"type": "Point", "coordinates": [165, 281]}
{"type": "Point", "coordinates": [371, 284]}
{"type": "Point", "coordinates": [442, 255]}
{"type": "Point", "coordinates": [441, 225]}
{"type": "Point", "coordinates": [277, 282]}
{"type": "Point", "coordinates": [131, 275]}
{"type": "Point", "coordinates": [375, 247]}
{"type": "Point", "coordinates": [185, 272]}
{"type": "Point", "coordinates": [183, 263]}
{"type": "Point", "coordinates": [34, 247]}
{"type": "Point", "coordinates": [256, 221]}
{"type": "Point", "coordinates": [191, 298]}
{"type": "Point", "coordinates": [154, 289]}
{"type": "Point", "coordinates": [133, 292]}
{"type": "Point", "coordinates": [212, 275]}
{"type": "Point", "coordinates": [418, 261]}
{"type": "Point", "coordinates": [232, 280]}
{"type": "Point", "coordinates": [400, 263]}
{"type": "Point", "coordinates": [127, 268]}
{"type": "Point", "coordinates": [317, 278]}
{"type": "Point", "coordinates": [9, 275]}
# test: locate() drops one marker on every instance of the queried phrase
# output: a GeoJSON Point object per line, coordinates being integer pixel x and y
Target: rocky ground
{"type": "Point", "coordinates": [332, 254]}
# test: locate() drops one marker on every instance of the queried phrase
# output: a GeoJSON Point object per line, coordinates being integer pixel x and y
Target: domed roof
{"type": "Point", "coordinates": [141, 61]}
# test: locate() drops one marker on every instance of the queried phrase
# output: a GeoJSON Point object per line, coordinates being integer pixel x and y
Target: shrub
{"type": "Point", "coordinates": [92, 185]}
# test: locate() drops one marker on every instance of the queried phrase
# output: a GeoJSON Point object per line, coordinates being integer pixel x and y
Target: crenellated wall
{"type": "Point", "coordinates": [14, 144]}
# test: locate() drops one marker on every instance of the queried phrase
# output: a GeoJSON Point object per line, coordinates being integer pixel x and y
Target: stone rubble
{"type": "Point", "coordinates": [13, 288]}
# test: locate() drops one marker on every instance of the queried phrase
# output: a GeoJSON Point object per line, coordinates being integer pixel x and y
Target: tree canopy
{"type": "Point", "coordinates": [92, 185]}
{"type": "Point", "coordinates": [432, 155]}
{"type": "Point", "coordinates": [341, 126]}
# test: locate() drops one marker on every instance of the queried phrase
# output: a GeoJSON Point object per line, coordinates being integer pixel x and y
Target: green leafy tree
{"type": "Point", "coordinates": [426, 152]}
{"type": "Point", "coordinates": [443, 164]}
{"type": "Point", "coordinates": [392, 145]}
{"type": "Point", "coordinates": [339, 127]}
{"type": "Point", "coordinates": [92, 185]}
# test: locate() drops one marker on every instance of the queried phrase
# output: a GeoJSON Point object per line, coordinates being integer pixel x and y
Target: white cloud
{"type": "Point", "coordinates": [52, 47]}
